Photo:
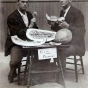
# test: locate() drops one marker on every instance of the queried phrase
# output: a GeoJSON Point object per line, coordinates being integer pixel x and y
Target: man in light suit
{"type": "Point", "coordinates": [18, 22]}
{"type": "Point", "coordinates": [74, 21]}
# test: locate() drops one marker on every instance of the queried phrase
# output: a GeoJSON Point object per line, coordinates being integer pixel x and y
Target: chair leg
{"type": "Point", "coordinates": [25, 71]}
{"type": "Point", "coordinates": [76, 72]}
{"type": "Point", "coordinates": [82, 64]}
{"type": "Point", "coordinates": [29, 72]}
{"type": "Point", "coordinates": [19, 69]}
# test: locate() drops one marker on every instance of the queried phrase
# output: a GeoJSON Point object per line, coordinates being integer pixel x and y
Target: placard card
{"type": "Point", "coordinates": [47, 53]}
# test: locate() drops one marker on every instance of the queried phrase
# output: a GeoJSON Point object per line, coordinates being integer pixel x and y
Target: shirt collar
{"type": "Point", "coordinates": [66, 10]}
{"type": "Point", "coordinates": [21, 13]}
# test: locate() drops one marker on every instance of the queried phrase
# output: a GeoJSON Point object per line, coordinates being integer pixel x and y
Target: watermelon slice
{"type": "Point", "coordinates": [40, 35]}
{"type": "Point", "coordinates": [54, 18]}
{"type": "Point", "coordinates": [21, 42]}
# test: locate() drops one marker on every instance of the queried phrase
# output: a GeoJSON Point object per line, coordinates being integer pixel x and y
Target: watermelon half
{"type": "Point", "coordinates": [40, 35]}
{"type": "Point", "coordinates": [21, 42]}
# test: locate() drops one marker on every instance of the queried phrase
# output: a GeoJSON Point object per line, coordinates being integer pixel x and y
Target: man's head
{"type": "Point", "coordinates": [65, 3]}
{"type": "Point", "coordinates": [22, 5]}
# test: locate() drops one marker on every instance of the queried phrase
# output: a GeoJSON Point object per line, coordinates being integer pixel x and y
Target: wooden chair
{"type": "Point", "coordinates": [20, 64]}
{"type": "Point", "coordinates": [76, 58]}
{"type": "Point", "coordinates": [23, 64]}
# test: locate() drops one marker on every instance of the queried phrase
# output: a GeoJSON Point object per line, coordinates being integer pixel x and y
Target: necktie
{"type": "Point", "coordinates": [62, 13]}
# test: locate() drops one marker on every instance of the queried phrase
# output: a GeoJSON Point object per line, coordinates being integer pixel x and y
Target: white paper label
{"type": "Point", "coordinates": [47, 53]}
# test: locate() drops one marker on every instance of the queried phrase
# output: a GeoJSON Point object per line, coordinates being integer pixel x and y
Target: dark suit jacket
{"type": "Point", "coordinates": [75, 19]}
{"type": "Point", "coordinates": [16, 27]}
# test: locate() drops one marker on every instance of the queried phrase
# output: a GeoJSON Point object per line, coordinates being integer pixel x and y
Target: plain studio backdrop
{"type": "Point", "coordinates": [51, 7]}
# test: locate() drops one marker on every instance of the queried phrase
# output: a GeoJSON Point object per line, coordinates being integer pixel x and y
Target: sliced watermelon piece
{"type": "Point", "coordinates": [40, 35]}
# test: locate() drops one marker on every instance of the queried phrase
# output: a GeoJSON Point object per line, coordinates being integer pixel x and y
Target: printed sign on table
{"type": "Point", "coordinates": [47, 53]}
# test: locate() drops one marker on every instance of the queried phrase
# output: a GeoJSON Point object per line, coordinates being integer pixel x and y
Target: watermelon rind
{"type": "Point", "coordinates": [40, 35]}
{"type": "Point", "coordinates": [21, 42]}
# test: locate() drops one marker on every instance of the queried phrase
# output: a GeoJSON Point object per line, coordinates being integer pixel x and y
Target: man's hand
{"type": "Point", "coordinates": [52, 23]}
{"type": "Point", "coordinates": [64, 24]}
{"type": "Point", "coordinates": [52, 20]}
{"type": "Point", "coordinates": [33, 20]}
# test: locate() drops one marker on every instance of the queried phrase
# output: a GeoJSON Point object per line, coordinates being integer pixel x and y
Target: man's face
{"type": "Point", "coordinates": [22, 4]}
{"type": "Point", "coordinates": [65, 3]}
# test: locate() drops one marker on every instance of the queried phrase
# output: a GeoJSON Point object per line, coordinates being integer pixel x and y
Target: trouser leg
{"type": "Point", "coordinates": [63, 54]}
{"type": "Point", "coordinates": [12, 73]}
{"type": "Point", "coordinates": [16, 56]}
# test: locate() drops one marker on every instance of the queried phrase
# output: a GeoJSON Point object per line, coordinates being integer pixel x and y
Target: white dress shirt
{"type": "Point", "coordinates": [24, 17]}
{"type": "Point", "coordinates": [66, 11]}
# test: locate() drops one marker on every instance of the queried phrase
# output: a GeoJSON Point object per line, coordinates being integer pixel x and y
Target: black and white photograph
{"type": "Point", "coordinates": [43, 44]}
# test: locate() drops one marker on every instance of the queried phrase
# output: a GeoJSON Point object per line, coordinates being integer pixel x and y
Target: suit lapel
{"type": "Point", "coordinates": [29, 17]}
{"type": "Point", "coordinates": [69, 16]}
{"type": "Point", "coordinates": [19, 19]}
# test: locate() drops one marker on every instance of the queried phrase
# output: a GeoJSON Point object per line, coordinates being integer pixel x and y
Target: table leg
{"type": "Point", "coordinates": [29, 70]}
{"type": "Point", "coordinates": [61, 69]}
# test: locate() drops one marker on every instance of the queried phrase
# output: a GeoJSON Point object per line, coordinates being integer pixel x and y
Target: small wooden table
{"type": "Point", "coordinates": [44, 46]}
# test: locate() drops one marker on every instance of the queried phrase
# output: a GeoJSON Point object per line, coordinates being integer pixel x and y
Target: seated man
{"type": "Point", "coordinates": [74, 21]}
{"type": "Point", "coordinates": [18, 22]}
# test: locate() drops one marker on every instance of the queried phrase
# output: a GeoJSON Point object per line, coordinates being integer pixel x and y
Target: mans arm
{"type": "Point", "coordinates": [16, 28]}
{"type": "Point", "coordinates": [13, 26]}
{"type": "Point", "coordinates": [78, 26]}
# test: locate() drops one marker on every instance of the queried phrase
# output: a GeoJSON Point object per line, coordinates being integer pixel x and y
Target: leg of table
{"type": "Point", "coordinates": [29, 70]}
{"type": "Point", "coordinates": [61, 74]}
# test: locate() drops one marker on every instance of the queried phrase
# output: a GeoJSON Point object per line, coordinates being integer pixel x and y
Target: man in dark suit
{"type": "Point", "coordinates": [18, 22]}
{"type": "Point", "coordinates": [74, 21]}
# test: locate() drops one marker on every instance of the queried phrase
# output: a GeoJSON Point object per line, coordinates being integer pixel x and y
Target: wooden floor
{"type": "Point", "coordinates": [70, 80]}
